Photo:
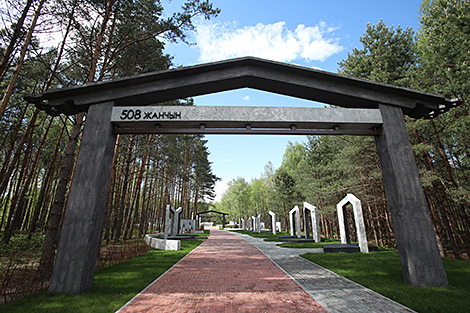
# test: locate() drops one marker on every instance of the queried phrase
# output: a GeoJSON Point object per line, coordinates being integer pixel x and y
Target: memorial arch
{"type": "Point", "coordinates": [211, 213]}
{"type": "Point", "coordinates": [122, 106]}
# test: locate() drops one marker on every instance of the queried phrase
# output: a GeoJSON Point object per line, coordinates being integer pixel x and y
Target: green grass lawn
{"type": "Point", "coordinates": [380, 271]}
{"type": "Point", "coordinates": [307, 245]}
{"type": "Point", "coordinates": [112, 287]}
{"type": "Point", "coordinates": [267, 237]}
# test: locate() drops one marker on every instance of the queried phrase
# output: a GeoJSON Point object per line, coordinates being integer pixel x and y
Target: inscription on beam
{"type": "Point", "coordinates": [146, 115]}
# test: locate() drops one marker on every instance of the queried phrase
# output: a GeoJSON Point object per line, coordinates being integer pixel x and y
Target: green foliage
{"type": "Point", "coordinates": [284, 186]}
{"type": "Point", "coordinates": [295, 153]}
{"type": "Point", "coordinates": [22, 243]}
{"type": "Point", "coordinates": [112, 287]}
{"type": "Point", "coordinates": [203, 177]}
{"type": "Point", "coordinates": [381, 272]}
{"type": "Point", "coordinates": [236, 200]}
{"type": "Point", "coordinates": [387, 55]}
{"type": "Point", "coordinates": [273, 191]}
{"type": "Point", "coordinates": [443, 45]}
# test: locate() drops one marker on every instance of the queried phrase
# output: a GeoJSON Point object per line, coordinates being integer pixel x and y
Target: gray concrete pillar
{"type": "Point", "coordinates": [420, 260]}
{"type": "Point", "coordinates": [176, 222]}
{"type": "Point", "coordinates": [167, 231]}
{"type": "Point", "coordinates": [79, 243]}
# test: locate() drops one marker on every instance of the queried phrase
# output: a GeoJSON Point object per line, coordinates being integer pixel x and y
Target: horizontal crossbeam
{"type": "Point", "coordinates": [225, 131]}
{"type": "Point", "coordinates": [245, 120]}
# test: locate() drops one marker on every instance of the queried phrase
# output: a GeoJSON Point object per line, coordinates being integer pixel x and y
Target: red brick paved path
{"type": "Point", "coordinates": [224, 274]}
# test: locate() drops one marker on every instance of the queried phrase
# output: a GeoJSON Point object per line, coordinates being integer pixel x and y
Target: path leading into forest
{"type": "Point", "coordinates": [237, 273]}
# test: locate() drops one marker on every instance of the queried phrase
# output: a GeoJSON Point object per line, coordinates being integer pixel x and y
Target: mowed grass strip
{"type": "Point", "coordinates": [307, 245]}
{"type": "Point", "coordinates": [265, 236]}
{"type": "Point", "coordinates": [275, 238]}
{"type": "Point", "coordinates": [113, 286]}
{"type": "Point", "coordinates": [381, 272]}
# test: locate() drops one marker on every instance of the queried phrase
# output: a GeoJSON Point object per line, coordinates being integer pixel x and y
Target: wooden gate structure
{"type": "Point", "coordinates": [125, 106]}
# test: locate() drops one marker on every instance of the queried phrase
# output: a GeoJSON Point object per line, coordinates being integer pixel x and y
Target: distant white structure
{"type": "Point", "coordinates": [315, 221]}
{"type": "Point", "coordinates": [258, 223]}
{"type": "Point", "coordinates": [295, 213]}
{"type": "Point", "coordinates": [273, 222]}
{"type": "Point", "coordinates": [358, 218]}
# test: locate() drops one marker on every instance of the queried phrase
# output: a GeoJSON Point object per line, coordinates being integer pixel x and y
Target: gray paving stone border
{"type": "Point", "coordinates": [334, 292]}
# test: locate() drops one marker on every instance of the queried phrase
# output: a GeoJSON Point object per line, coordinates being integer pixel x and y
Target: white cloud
{"type": "Point", "coordinates": [272, 41]}
{"type": "Point", "coordinates": [246, 98]}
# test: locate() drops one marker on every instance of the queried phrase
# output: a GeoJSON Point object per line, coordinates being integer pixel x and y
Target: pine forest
{"type": "Point", "coordinates": [99, 40]}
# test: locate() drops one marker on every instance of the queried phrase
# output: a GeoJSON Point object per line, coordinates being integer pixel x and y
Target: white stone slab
{"type": "Point", "coordinates": [273, 222]}
{"type": "Point", "coordinates": [162, 244]}
{"type": "Point", "coordinates": [359, 220]}
{"type": "Point", "coordinates": [315, 221]}
{"type": "Point", "coordinates": [295, 213]}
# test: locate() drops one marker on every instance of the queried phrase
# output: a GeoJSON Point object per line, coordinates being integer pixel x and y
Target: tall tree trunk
{"type": "Point", "coordinates": [15, 210]}
{"type": "Point", "coordinates": [46, 183]}
{"type": "Point", "coordinates": [55, 215]}
{"type": "Point", "coordinates": [143, 215]}
{"type": "Point", "coordinates": [99, 41]}
{"type": "Point", "coordinates": [111, 191]}
{"type": "Point", "coordinates": [444, 155]}
{"type": "Point", "coordinates": [16, 35]}
{"type": "Point", "coordinates": [129, 202]}
{"type": "Point", "coordinates": [15, 129]}
{"type": "Point", "coordinates": [125, 184]}
{"type": "Point", "coordinates": [22, 203]}
{"type": "Point", "coordinates": [138, 183]}
{"type": "Point", "coordinates": [19, 65]}
{"type": "Point", "coordinates": [19, 150]}
{"type": "Point", "coordinates": [50, 193]}
{"type": "Point", "coordinates": [30, 200]}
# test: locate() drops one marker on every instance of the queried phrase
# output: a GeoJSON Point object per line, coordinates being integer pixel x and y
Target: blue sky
{"type": "Point", "coordinates": [310, 33]}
